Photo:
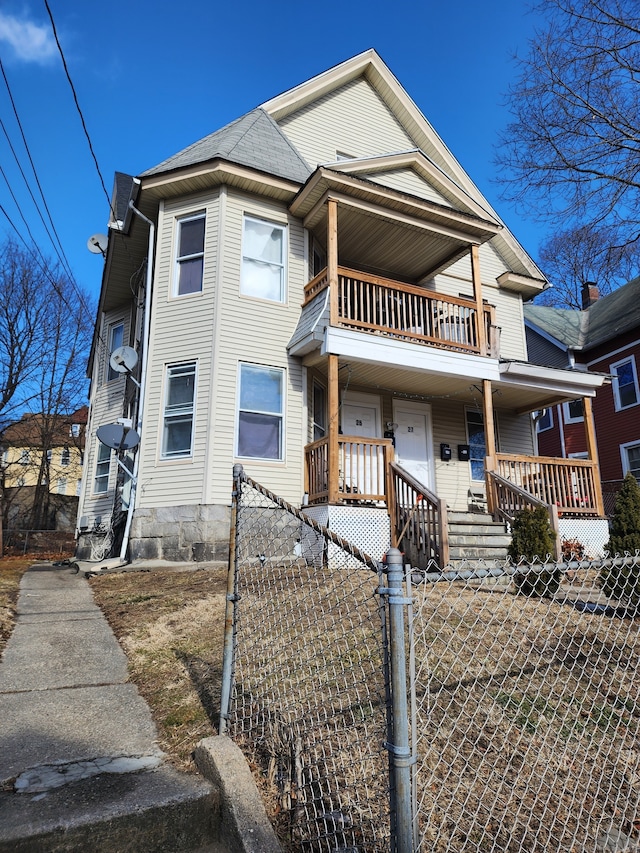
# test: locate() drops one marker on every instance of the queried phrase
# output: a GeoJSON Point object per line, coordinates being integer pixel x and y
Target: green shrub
{"type": "Point", "coordinates": [623, 582]}
{"type": "Point", "coordinates": [533, 538]}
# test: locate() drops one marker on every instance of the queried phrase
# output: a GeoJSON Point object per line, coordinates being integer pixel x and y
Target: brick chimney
{"type": "Point", "coordinates": [590, 294]}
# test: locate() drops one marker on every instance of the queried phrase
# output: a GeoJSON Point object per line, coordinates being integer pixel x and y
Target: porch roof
{"type": "Point", "coordinates": [423, 372]}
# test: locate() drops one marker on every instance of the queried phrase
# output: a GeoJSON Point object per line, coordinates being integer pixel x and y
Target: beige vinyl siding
{"type": "Point", "coordinates": [353, 119]}
{"type": "Point", "coordinates": [453, 479]}
{"type": "Point", "coordinates": [407, 181]}
{"type": "Point", "coordinates": [107, 405]}
{"type": "Point", "coordinates": [182, 330]}
{"type": "Point", "coordinates": [515, 433]}
{"type": "Point", "coordinates": [257, 331]}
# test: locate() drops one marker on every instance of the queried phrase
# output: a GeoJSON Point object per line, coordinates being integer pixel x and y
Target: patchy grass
{"type": "Point", "coordinates": [11, 571]}
{"type": "Point", "coordinates": [171, 627]}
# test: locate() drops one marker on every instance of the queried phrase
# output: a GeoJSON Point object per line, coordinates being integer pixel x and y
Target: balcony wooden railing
{"type": "Point", "coordinates": [419, 525]}
{"type": "Point", "coordinates": [386, 307]}
{"type": "Point", "coordinates": [570, 485]}
{"type": "Point", "coordinates": [360, 470]}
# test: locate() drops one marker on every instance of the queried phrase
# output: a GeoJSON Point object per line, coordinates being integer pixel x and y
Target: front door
{"type": "Point", "coordinates": [414, 441]}
{"type": "Point", "coordinates": [359, 463]}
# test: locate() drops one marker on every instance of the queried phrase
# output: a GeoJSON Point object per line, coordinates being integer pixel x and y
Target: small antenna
{"type": "Point", "coordinates": [97, 245]}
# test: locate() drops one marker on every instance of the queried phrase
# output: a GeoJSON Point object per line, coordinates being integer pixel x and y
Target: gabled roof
{"type": "Point", "coordinates": [27, 432]}
{"type": "Point", "coordinates": [253, 140]}
{"type": "Point", "coordinates": [609, 317]}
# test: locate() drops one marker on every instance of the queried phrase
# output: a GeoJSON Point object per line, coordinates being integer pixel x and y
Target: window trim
{"type": "Point", "coordinates": [625, 457]}
{"type": "Point", "coordinates": [616, 390]}
{"type": "Point", "coordinates": [112, 374]}
{"type": "Point", "coordinates": [467, 411]}
{"type": "Point", "coordinates": [566, 414]}
{"type": "Point", "coordinates": [179, 259]}
{"type": "Point", "coordinates": [179, 456]}
{"type": "Point", "coordinates": [284, 229]}
{"type": "Point", "coordinates": [101, 477]}
{"type": "Point", "coordinates": [540, 429]}
{"type": "Point", "coordinates": [283, 388]}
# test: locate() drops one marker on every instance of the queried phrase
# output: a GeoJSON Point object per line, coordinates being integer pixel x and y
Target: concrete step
{"type": "Point", "coordinates": [159, 811]}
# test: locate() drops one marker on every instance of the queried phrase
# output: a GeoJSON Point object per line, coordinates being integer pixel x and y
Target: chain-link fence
{"type": "Point", "coordinates": [524, 694]}
{"type": "Point", "coordinates": [308, 703]}
{"type": "Point", "coordinates": [527, 710]}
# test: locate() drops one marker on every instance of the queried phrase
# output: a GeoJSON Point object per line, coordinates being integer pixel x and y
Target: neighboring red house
{"type": "Point", "coordinates": [605, 338]}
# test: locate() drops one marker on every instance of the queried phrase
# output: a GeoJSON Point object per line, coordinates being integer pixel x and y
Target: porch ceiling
{"type": "Point", "coordinates": [388, 232]}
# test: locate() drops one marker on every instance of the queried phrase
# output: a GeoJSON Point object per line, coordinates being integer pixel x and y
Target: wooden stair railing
{"type": "Point", "coordinates": [506, 500]}
{"type": "Point", "coordinates": [418, 520]}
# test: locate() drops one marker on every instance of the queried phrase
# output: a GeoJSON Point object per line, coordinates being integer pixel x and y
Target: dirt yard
{"type": "Point", "coordinates": [170, 625]}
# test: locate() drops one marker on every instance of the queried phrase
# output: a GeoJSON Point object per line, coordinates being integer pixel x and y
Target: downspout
{"type": "Point", "coordinates": [143, 376]}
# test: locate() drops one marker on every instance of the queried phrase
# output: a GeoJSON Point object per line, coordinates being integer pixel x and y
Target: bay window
{"type": "Point", "coordinates": [260, 412]}
{"type": "Point", "coordinates": [177, 432]}
{"type": "Point", "coordinates": [263, 260]}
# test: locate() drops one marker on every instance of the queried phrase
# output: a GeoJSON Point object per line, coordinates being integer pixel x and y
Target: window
{"type": "Point", "coordinates": [116, 339]}
{"type": "Point", "coordinates": [625, 384]}
{"type": "Point", "coordinates": [74, 431]}
{"type": "Point", "coordinates": [319, 411]}
{"type": "Point", "coordinates": [25, 457]}
{"type": "Point", "coordinates": [61, 486]}
{"type": "Point", "coordinates": [190, 255]}
{"type": "Point", "coordinates": [573, 411]}
{"type": "Point", "coordinates": [263, 253]}
{"type": "Point", "coordinates": [545, 421]}
{"type": "Point", "coordinates": [260, 415]}
{"type": "Point", "coordinates": [103, 464]}
{"type": "Point", "coordinates": [64, 457]}
{"type": "Point", "coordinates": [477, 443]}
{"type": "Point", "coordinates": [631, 459]}
{"type": "Point", "coordinates": [177, 433]}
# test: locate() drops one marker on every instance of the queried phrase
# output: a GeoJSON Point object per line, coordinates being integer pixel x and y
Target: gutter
{"type": "Point", "coordinates": [143, 376]}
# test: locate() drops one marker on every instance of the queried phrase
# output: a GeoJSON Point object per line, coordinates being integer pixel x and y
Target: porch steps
{"type": "Point", "coordinates": [476, 537]}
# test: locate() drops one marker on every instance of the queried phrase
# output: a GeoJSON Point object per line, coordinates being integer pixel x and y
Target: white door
{"type": "Point", "coordinates": [414, 441]}
{"type": "Point", "coordinates": [361, 464]}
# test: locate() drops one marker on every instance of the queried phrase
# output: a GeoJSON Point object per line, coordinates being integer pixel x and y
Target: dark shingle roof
{"type": "Point", "coordinates": [253, 140]}
{"type": "Point", "coordinates": [614, 314]}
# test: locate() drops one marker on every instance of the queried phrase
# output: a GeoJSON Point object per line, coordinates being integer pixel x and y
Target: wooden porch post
{"type": "Point", "coordinates": [332, 259]}
{"type": "Point", "coordinates": [477, 293]}
{"type": "Point", "coordinates": [592, 451]}
{"type": "Point", "coordinates": [333, 431]}
{"type": "Point", "coordinates": [489, 439]}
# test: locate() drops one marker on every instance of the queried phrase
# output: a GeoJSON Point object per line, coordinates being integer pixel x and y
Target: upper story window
{"type": "Point", "coordinates": [625, 383]}
{"type": "Point", "coordinates": [263, 260]}
{"type": "Point", "coordinates": [631, 459]}
{"type": "Point", "coordinates": [180, 394]}
{"type": "Point", "coordinates": [190, 255]}
{"type": "Point", "coordinates": [573, 411]}
{"type": "Point", "coordinates": [116, 339]}
{"type": "Point", "coordinates": [25, 457]}
{"type": "Point", "coordinates": [261, 412]}
{"type": "Point", "coordinates": [545, 421]}
{"type": "Point", "coordinates": [74, 430]}
{"type": "Point", "coordinates": [103, 464]}
{"type": "Point", "coordinates": [64, 456]}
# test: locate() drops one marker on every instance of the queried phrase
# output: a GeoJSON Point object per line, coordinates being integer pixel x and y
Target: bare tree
{"type": "Point", "coordinates": [577, 256]}
{"type": "Point", "coordinates": [571, 155]}
{"type": "Point", "coordinates": [45, 333]}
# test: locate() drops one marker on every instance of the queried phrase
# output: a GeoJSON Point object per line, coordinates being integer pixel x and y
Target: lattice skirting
{"type": "Point", "coordinates": [592, 533]}
{"type": "Point", "coordinates": [366, 527]}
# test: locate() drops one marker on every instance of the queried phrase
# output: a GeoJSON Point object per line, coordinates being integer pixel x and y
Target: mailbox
{"type": "Point", "coordinates": [463, 452]}
{"type": "Point", "coordinates": [445, 453]}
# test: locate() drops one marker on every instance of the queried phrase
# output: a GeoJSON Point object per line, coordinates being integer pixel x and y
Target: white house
{"type": "Point", "coordinates": [314, 291]}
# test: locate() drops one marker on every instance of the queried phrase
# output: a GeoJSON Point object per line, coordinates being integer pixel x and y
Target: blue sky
{"type": "Point", "coordinates": [151, 77]}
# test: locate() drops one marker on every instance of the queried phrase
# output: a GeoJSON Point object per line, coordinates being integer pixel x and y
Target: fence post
{"type": "Point", "coordinates": [232, 597]}
{"type": "Point", "coordinates": [401, 757]}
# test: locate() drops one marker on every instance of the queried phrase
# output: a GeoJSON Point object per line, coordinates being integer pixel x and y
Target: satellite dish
{"type": "Point", "coordinates": [97, 244]}
{"type": "Point", "coordinates": [123, 359]}
{"type": "Point", "coordinates": [118, 437]}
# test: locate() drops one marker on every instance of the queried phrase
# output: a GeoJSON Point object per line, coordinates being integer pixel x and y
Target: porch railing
{"type": "Point", "coordinates": [419, 526]}
{"type": "Point", "coordinates": [505, 500]}
{"type": "Point", "coordinates": [357, 473]}
{"type": "Point", "coordinates": [386, 307]}
{"type": "Point", "coordinates": [570, 485]}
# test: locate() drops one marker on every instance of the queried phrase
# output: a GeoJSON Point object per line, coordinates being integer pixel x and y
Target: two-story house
{"type": "Point", "coordinates": [603, 337]}
{"type": "Point", "coordinates": [319, 292]}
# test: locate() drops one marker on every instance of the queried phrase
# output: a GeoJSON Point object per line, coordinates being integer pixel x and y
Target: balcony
{"type": "Point", "coordinates": [381, 306]}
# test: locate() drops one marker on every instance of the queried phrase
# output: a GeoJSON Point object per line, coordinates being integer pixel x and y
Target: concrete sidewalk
{"type": "Point", "coordinates": [80, 768]}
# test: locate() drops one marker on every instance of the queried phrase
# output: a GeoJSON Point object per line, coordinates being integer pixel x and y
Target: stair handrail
{"type": "Point", "coordinates": [500, 508]}
{"type": "Point", "coordinates": [436, 534]}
